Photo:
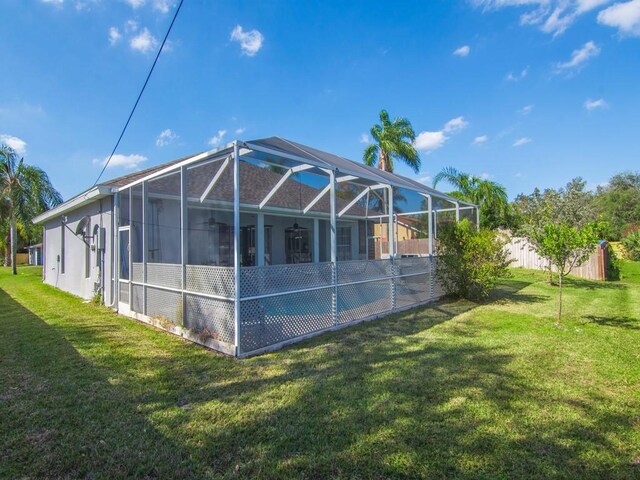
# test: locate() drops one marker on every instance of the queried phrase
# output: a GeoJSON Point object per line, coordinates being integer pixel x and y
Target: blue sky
{"type": "Point", "coordinates": [525, 92]}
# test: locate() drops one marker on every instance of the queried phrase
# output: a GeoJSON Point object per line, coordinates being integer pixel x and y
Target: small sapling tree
{"type": "Point", "coordinates": [564, 247]}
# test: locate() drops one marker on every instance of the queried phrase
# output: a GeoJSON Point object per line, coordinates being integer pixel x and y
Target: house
{"type": "Point", "coordinates": [248, 247]}
{"type": "Point", "coordinates": [35, 254]}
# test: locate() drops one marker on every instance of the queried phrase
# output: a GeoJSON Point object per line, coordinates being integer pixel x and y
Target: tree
{"type": "Point", "coordinates": [470, 261]}
{"type": "Point", "coordinates": [393, 142]}
{"type": "Point", "coordinates": [572, 205]}
{"type": "Point", "coordinates": [619, 202]}
{"type": "Point", "coordinates": [26, 191]}
{"type": "Point", "coordinates": [564, 247]}
{"type": "Point", "coordinates": [490, 196]}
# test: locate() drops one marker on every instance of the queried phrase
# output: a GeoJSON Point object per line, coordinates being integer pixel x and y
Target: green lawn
{"type": "Point", "coordinates": [630, 271]}
{"type": "Point", "coordinates": [457, 390]}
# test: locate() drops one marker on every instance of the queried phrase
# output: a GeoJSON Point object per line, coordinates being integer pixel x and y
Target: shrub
{"type": "Point", "coordinates": [632, 245]}
{"type": "Point", "coordinates": [470, 261]}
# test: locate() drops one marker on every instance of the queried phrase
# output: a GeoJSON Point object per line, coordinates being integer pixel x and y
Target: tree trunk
{"type": "Point", "coordinates": [382, 161]}
{"type": "Point", "coordinates": [14, 244]}
{"type": "Point", "coordinates": [559, 298]}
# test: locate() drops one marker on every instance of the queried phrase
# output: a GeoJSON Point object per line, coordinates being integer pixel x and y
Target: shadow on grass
{"type": "Point", "coordinates": [617, 321]}
{"type": "Point", "coordinates": [384, 399]}
{"type": "Point", "coordinates": [61, 416]}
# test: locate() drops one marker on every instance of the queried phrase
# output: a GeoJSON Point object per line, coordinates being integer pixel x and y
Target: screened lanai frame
{"type": "Point", "coordinates": [245, 310]}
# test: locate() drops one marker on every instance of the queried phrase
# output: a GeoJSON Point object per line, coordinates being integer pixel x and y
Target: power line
{"type": "Point", "coordinates": [175, 15]}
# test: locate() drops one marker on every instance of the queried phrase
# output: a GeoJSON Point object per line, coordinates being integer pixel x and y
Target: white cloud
{"type": "Point", "coordinates": [125, 161]}
{"type": "Point", "coordinates": [587, 5]}
{"type": "Point", "coordinates": [114, 35]}
{"type": "Point", "coordinates": [217, 138]}
{"type": "Point", "coordinates": [462, 51]}
{"type": "Point", "coordinates": [165, 138]}
{"type": "Point", "coordinates": [594, 104]}
{"type": "Point", "coordinates": [517, 174]}
{"type": "Point", "coordinates": [425, 179]}
{"type": "Point", "coordinates": [17, 144]}
{"type": "Point", "coordinates": [136, 3]}
{"type": "Point", "coordinates": [130, 26]}
{"type": "Point", "coordinates": [144, 42]}
{"type": "Point", "coordinates": [364, 138]}
{"type": "Point", "coordinates": [482, 139]}
{"type": "Point", "coordinates": [250, 42]}
{"type": "Point", "coordinates": [625, 16]}
{"type": "Point", "coordinates": [579, 57]}
{"type": "Point", "coordinates": [53, 2]}
{"type": "Point", "coordinates": [163, 6]}
{"type": "Point", "coordinates": [240, 131]}
{"type": "Point", "coordinates": [526, 110]}
{"type": "Point", "coordinates": [550, 16]}
{"type": "Point", "coordinates": [455, 125]}
{"type": "Point", "coordinates": [486, 176]}
{"type": "Point", "coordinates": [429, 141]}
{"type": "Point", "coordinates": [522, 141]}
{"type": "Point", "coordinates": [516, 77]}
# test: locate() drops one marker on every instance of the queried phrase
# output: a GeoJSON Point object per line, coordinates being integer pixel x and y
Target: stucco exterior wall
{"type": "Point", "coordinates": [74, 276]}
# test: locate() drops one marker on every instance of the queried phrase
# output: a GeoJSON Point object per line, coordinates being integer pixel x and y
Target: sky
{"type": "Point", "coordinates": [527, 93]}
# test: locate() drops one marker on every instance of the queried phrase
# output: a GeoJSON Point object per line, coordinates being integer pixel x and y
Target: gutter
{"type": "Point", "coordinates": [85, 198]}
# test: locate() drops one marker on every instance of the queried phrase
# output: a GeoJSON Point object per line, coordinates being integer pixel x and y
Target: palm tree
{"type": "Point", "coordinates": [490, 196]}
{"type": "Point", "coordinates": [26, 191]}
{"type": "Point", "coordinates": [393, 141]}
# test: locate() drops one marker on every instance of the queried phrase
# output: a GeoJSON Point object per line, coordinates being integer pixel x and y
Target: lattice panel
{"type": "Point", "coordinates": [359, 270]}
{"type": "Point", "coordinates": [363, 300]}
{"type": "Point", "coordinates": [413, 290]}
{"type": "Point", "coordinates": [282, 278]}
{"type": "Point", "coordinates": [164, 274]}
{"type": "Point", "coordinates": [137, 298]}
{"type": "Point", "coordinates": [137, 272]}
{"type": "Point", "coordinates": [209, 318]}
{"type": "Point", "coordinates": [164, 305]}
{"type": "Point", "coordinates": [212, 280]}
{"type": "Point", "coordinates": [411, 265]}
{"type": "Point", "coordinates": [124, 292]}
{"type": "Point", "coordinates": [272, 320]}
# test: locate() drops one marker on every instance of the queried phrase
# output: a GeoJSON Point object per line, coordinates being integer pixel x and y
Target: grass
{"type": "Point", "coordinates": [458, 390]}
{"type": "Point", "coordinates": [630, 271]}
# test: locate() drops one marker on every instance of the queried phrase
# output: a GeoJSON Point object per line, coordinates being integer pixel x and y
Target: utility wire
{"type": "Point", "coordinates": [175, 15]}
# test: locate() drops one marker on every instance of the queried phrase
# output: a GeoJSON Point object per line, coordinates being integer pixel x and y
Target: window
{"type": "Point", "coordinates": [87, 259]}
{"type": "Point", "coordinates": [344, 243]}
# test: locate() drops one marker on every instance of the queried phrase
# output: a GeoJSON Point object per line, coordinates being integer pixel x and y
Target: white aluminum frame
{"type": "Point", "coordinates": [232, 155]}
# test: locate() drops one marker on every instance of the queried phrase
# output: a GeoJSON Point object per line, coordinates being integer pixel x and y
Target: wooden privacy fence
{"type": "Point", "coordinates": [522, 255]}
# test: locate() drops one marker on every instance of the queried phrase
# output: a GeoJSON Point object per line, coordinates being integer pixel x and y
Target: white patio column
{"type": "Point", "coordinates": [430, 225]}
{"type": "Point", "coordinates": [392, 249]}
{"type": "Point", "coordinates": [478, 217]}
{"type": "Point", "coordinates": [236, 244]}
{"type": "Point", "coordinates": [316, 241]}
{"type": "Point", "coordinates": [184, 237]}
{"type": "Point", "coordinates": [391, 221]}
{"type": "Point", "coordinates": [457, 212]}
{"type": "Point", "coordinates": [144, 246]}
{"type": "Point", "coordinates": [116, 243]}
{"type": "Point", "coordinates": [130, 250]}
{"type": "Point", "coordinates": [260, 240]}
{"type": "Point", "coordinates": [334, 247]}
{"type": "Point", "coordinates": [435, 224]}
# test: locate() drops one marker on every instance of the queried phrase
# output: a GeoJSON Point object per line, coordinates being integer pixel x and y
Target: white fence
{"type": "Point", "coordinates": [522, 255]}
